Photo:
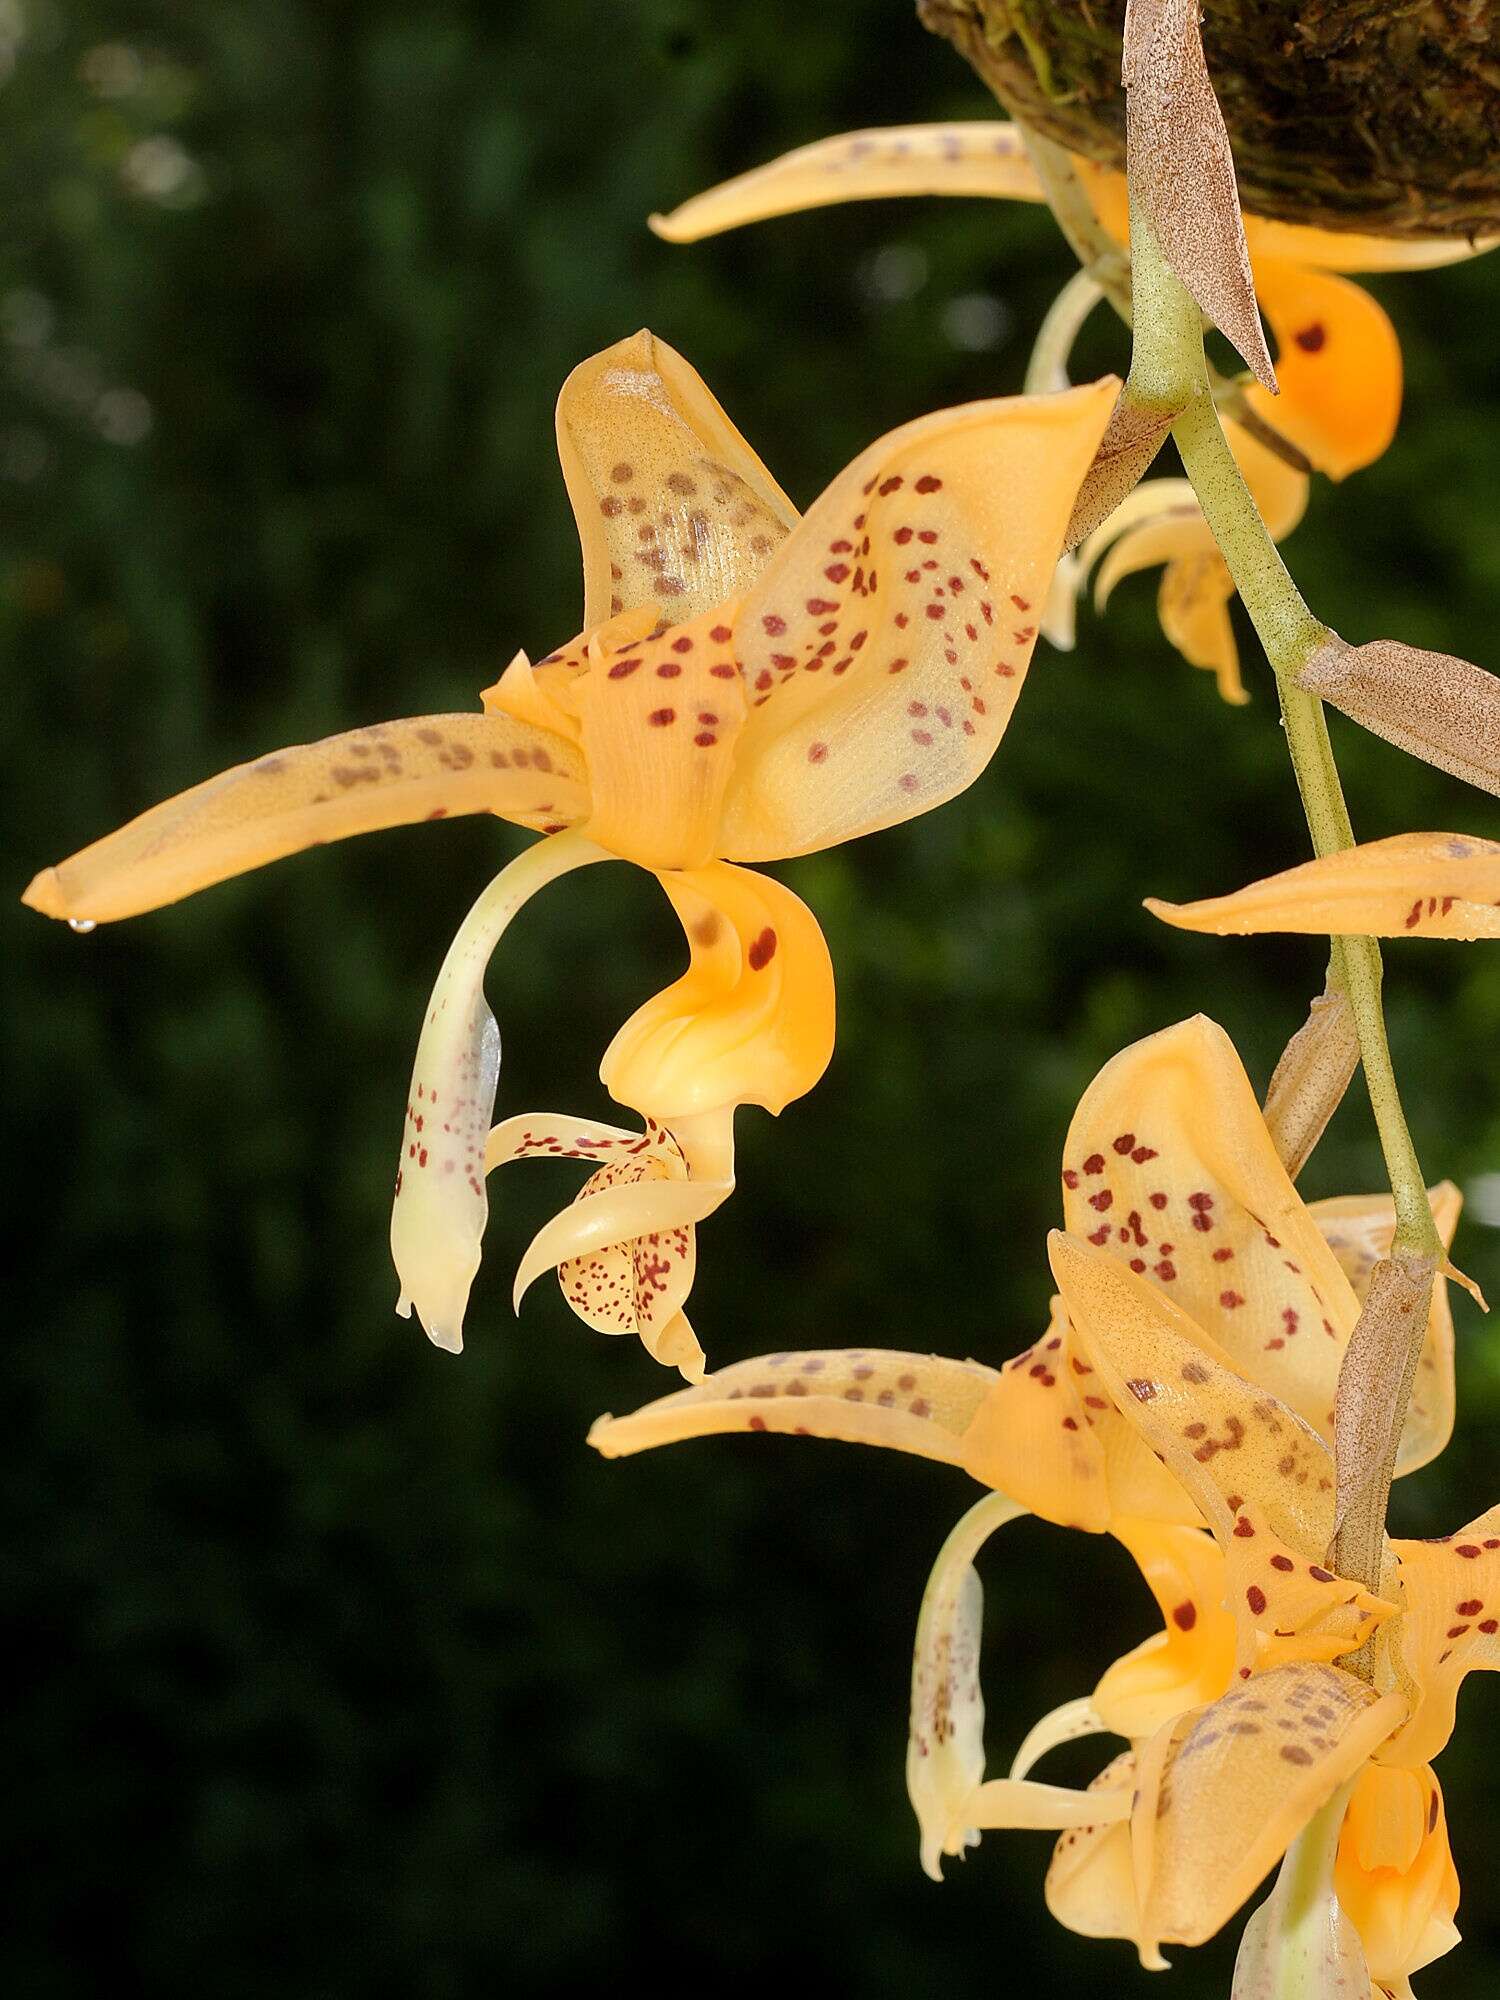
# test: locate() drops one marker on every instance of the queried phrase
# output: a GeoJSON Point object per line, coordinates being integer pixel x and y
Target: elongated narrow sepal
{"type": "Point", "coordinates": [919, 1403]}
{"type": "Point", "coordinates": [1435, 885]}
{"type": "Point", "coordinates": [390, 774]}
{"type": "Point", "coordinates": [985, 158]}
{"type": "Point", "coordinates": [1439, 708]}
{"type": "Point", "coordinates": [1182, 170]}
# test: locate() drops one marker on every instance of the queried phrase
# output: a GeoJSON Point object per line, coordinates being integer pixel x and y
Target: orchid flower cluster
{"type": "Point", "coordinates": [1231, 1376]}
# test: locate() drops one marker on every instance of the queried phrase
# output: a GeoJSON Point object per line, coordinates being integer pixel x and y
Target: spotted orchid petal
{"type": "Point", "coordinates": [1237, 1783]}
{"type": "Point", "coordinates": [1443, 885]}
{"type": "Point", "coordinates": [1170, 1169]}
{"type": "Point", "coordinates": [674, 509]}
{"type": "Point", "coordinates": [918, 1403]}
{"type": "Point", "coordinates": [1190, 1660]}
{"type": "Point", "coordinates": [1449, 1627]}
{"type": "Point", "coordinates": [751, 1021]}
{"type": "Point", "coordinates": [633, 1286]}
{"type": "Point", "coordinates": [660, 723]}
{"type": "Point", "coordinates": [440, 1208]}
{"type": "Point", "coordinates": [391, 774]}
{"type": "Point", "coordinates": [886, 642]}
{"type": "Point", "coordinates": [985, 158]}
{"type": "Point", "coordinates": [1338, 363]}
{"type": "Point", "coordinates": [1262, 1479]}
{"type": "Point", "coordinates": [1394, 1873]}
{"type": "Point", "coordinates": [1360, 1230]}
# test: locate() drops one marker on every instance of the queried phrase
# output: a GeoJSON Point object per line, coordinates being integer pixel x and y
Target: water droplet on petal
{"type": "Point", "coordinates": [83, 925]}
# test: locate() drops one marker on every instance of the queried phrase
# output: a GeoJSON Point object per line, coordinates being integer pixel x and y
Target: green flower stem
{"type": "Point", "coordinates": [1302, 1890]}
{"type": "Point", "coordinates": [1168, 371]}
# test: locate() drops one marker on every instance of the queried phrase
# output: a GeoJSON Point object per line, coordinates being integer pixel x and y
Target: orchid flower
{"type": "Point", "coordinates": [1175, 1196]}
{"type": "Point", "coordinates": [747, 686]}
{"type": "Point", "coordinates": [1338, 360]}
{"type": "Point", "coordinates": [1217, 1802]}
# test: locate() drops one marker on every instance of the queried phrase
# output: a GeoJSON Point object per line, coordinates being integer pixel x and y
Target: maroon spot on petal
{"type": "Point", "coordinates": [928, 483]}
{"type": "Point", "coordinates": [1255, 1597]}
{"type": "Point", "coordinates": [1185, 1616]}
{"type": "Point", "coordinates": [763, 950]}
{"type": "Point", "coordinates": [816, 752]}
{"type": "Point", "coordinates": [660, 717]}
{"type": "Point", "coordinates": [1142, 1390]}
{"type": "Point", "coordinates": [1311, 338]}
{"type": "Point", "coordinates": [772, 625]}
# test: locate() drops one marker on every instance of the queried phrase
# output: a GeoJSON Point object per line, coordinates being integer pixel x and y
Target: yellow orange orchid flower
{"type": "Point", "coordinates": [1338, 360]}
{"type": "Point", "coordinates": [1441, 1620]}
{"type": "Point", "coordinates": [748, 686]}
{"type": "Point", "coordinates": [1188, 1241]}
{"type": "Point", "coordinates": [1436, 885]}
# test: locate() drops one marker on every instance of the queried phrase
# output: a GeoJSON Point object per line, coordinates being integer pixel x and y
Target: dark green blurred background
{"type": "Point", "coordinates": [347, 1669]}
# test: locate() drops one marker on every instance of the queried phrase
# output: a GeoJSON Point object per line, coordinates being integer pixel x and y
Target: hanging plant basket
{"type": "Point", "coordinates": [1381, 115]}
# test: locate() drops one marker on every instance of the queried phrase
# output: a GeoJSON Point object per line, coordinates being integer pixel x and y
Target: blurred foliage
{"type": "Point", "coordinates": [344, 1667]}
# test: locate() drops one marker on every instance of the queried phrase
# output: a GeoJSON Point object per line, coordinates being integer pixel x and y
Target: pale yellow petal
{"type": "Point", "coordinates": [1091, 1882]}
{"type": "Point", "coordinates": [440, 1207]}
{"type": "Point", "coordinates": [985, 158]}
{"type": "Point", "coordinates": [885, 646]}
{"type": "Point", "coordinates": [751, 1021]}
{"type": "Point", "coordinates": [1240, 1781]}
{"type": "Point", "coordinates": [391, 774]}
{"type": "Point", "coordinates": [1443, 885]}
{"type": "Point", "coordinates": [674, 509]}
{"type": "Point", "coordinates": [552, 1135]}
{"type": "Point", "coordinates": [1168, 1166]}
